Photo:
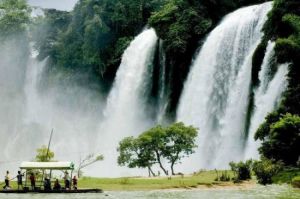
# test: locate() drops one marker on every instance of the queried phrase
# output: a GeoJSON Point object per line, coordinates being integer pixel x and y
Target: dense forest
{"type": "Point", "coordinates": [91, 39]}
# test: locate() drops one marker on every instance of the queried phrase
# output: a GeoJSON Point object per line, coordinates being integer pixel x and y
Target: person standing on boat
{"type": "Point", "coordinates": [32, 181]}
{"type": "Point", "coordinates": [20, 180]}
{"type": "Point", "coordinates": [47, 184]}
{"type": "Point", "coordinates": [74, 180]}
{"type": "Point", "coordinates": [67, 180]}
{"type": "Point", "coordinates": [7, 179]}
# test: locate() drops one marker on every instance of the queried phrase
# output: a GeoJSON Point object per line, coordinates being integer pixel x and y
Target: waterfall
{"type": "Point", "coordinates": [267, 98]}
{"type": "Point", "coordinates": [125, 112]}
{"type": "Point", "coordinates": [162, 94]}
{"type": "Point", "coordinates": [216, 94]}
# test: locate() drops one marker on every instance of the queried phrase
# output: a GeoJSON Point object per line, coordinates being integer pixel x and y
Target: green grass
{"type": "Point", "coordinates": [206, 178]}
{"type": "Point", "coordinates": [286, 176]}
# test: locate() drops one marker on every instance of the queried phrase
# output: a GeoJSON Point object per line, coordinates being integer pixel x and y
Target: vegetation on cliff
{"type": "Point", "coordinates": [280, 133]}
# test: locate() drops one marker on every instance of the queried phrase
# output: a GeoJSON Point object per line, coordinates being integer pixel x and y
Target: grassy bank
{"type": "Point", "coordinates": [289, 176]}
{"type": "Point", "coordinates": [205, 178]}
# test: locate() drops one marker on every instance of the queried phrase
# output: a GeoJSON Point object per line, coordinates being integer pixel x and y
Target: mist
{"type": "Point", "coordinates": [34, 101]}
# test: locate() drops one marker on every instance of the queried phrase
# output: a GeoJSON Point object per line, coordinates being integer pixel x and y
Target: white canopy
{"type": "Point", "coordinates": [47, 165]}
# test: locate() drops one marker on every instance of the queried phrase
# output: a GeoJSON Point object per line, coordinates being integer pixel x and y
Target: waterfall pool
{"type": "Point", "coordinates": [259, 192]}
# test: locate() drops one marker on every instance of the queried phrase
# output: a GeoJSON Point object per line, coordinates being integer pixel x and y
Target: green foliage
{"type": "Point", "coordinates": [296, 182]}
{"type": "Point", "coordinates": [171, 143]}
{"type": "Point", "coordinates": [286, 49]}
{"type": "Point", "coordinates": [180, 142]}
{"type": "Point", "coordinates": [177, 23]}
{"type": "Point", "coordinates": [225, 176]}
{"type": "Point", "coordinates": [286, 175]}
{"type": "Point", "coordinates": [242, 170]}
{"type": "Point", "coordinates": [134, 153]}
{"type": "Point", "coordinates": [47, 30]}
{"type": "Point", "coordinates": [43, 155]}
{"type": "Point", "coordinates": [14, 17]}
{"type": "Point", "coordinates": [283, 141]}
{"type": "Point", "coordinates": [265, 169]}
{"type": "Point", "coordinates": [91, 39]}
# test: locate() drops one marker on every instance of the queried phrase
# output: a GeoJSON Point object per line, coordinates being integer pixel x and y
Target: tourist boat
{"type": "Point", "coordinates": [46, 169]}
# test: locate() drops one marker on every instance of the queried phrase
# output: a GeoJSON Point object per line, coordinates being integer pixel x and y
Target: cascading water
{"type": "Point", "coordinates": [267, 97]}
{"type": "Point", "coordinates": [125, 112]}
{"type": "Point", "coordinates": [162, 94]}
{"type": "Point", "coordinates": [216, 94]}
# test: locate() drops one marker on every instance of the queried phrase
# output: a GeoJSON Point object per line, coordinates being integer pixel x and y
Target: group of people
{"type": "Point", "coordinates": [47, 182]}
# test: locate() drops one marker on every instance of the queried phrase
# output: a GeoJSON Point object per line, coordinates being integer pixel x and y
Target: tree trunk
{"type": "Point", "coordinates": [151, 172]}
{"type": "Point", "coordinates": [172, 168]}
{"type": "Point", "coordinates": [160, 164]}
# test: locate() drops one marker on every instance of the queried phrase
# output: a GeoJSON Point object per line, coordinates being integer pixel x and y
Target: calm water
{"type": "Point", "coordinates": [260, 192]}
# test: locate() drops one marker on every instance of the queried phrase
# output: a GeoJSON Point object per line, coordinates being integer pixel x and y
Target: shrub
{"type": "Point", "coordinates": [296, 182]}
{"type": "Point", "coordinates": [265, 169]}
{"type": "Point", "coordinates": [242, 170]}
{"type": "Point", "coordinates": [282, 142]}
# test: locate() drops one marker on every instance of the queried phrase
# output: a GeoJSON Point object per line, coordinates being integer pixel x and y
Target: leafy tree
{"type": "Point", "coordinates": [87, 161]}
{"type": "Point", "coordinates": [283, 140]}
{"type": "Point", "coordinates": [171, 143]}
{"type": "Point", "coordinates": [47, 30]}
{"type": "Point", "coordinates": [14, 17]}
{"type": "Point", "coordinates": [155, 138]}
{"type": "Point", "coordinates": [180, 141]}
{"type": "Point", "coordinates": [135, 153]}
{"type": "Point", "coordinates": [43, 155]}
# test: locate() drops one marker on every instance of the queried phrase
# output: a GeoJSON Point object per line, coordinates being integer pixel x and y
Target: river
{"type": "Point", "coordinates": [259, 192]}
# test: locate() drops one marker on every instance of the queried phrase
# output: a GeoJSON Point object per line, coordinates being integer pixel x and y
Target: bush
{"type": "Point", "coordinates": [283, 141]}
{"type": "Point", "coordinates": [265, 170]}
{"type": "Point", "coordinates": [241, 170]}
{"type": "Point", "coordinates": [225, 176]}
{"type": "Point", "coordinates": [296, 182]}
{"type": "Point", "coordinates": [286, 49]}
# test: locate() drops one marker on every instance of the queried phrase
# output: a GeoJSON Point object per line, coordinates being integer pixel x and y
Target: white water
{"type": "Point", "coordinates": [162, 95]}
{"type": "Point", "coordinates": [216, 94]}
{"type": "Point", "coordinates": [267, 98]}
{"type": "Point", "coordinates": [125, 112]}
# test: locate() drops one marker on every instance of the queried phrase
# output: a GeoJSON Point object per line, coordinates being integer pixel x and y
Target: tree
{"type": "Point", "coordinates": [15, 15]}
{"type": "Point", "coordinates": [283, 140]}
{"type": "Point", "coordinates": [43, 155]}
{"type": "Point", "coordinates": [155, 138]}
{"type": "Point", "coordinates": [171, 143]}
{"type": "Point", "coordinates": [87, 161]}
{"type": "Point", "coordinates": [180, 143]}
{"type": "Point", "coordinates": [135, 153]}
